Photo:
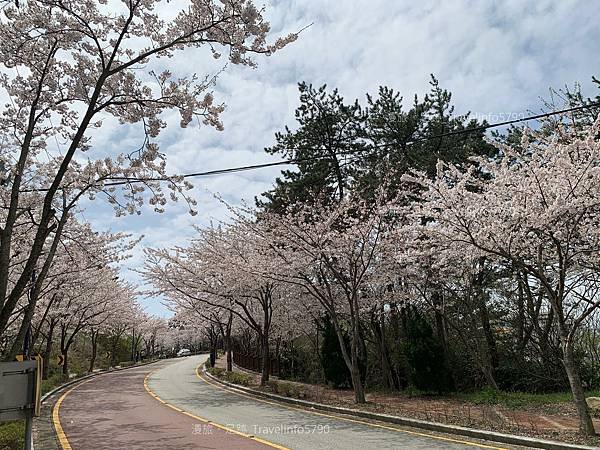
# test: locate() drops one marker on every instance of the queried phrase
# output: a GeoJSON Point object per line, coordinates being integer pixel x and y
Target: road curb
{"type": "Point", "coordinates": [415, 423]}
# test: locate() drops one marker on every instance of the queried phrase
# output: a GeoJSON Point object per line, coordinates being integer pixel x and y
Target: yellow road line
{"type": "Point", "coordinates": [60, 432]}
{"type": "Point", "coordinates": [202, 419]}
{"type": "Point", "coordinates": [375, 425]}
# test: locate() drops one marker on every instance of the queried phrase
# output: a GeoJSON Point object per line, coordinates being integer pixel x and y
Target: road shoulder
{"type": "Point", "coordinates": [482, 436]}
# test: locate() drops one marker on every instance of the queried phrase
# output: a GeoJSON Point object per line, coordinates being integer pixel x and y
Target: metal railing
{"type": "Point", "coordinates": [253, 363]}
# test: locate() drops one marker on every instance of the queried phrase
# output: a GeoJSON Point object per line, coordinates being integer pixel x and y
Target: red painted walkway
{"type": "Point", "coordinates": [114, 411]}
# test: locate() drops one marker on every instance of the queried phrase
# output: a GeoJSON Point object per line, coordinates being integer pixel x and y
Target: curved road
{"type": "Point", "coordinates": [115, 411]}
{"type": "Point", "coordinates": [168, 405]}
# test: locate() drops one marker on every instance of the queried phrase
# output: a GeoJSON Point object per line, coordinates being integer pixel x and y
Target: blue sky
{"type": "Point", "coordinates": [495, 57]}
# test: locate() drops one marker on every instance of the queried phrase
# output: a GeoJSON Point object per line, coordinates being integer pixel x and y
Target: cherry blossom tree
{"type": "Point", "coordinates": [81, 250]}
{"type": "Point", "coordinates": [115, 329]}
{"type": "Point", "coordinates": [81, 290]}
{"type": "Point", "coordinates": [256, 266]}
{"type": "Point", "coordinates": [201, 314]}
{"type": "Point", "coordinates": [330, 252]}
{"type": "Point", "coordinates": [90, 305]}
{"type": "Point", "coordinates": [223, 268]}
{"type": "Point", "coordinates": [535, 206]}
{"type": "Point", "coordinates": [443, 280]}
{"type": "Point", "coordinates": [152, 334]}
{"type": "Point", "coordinates": [67, 67]}
{"type": "Point", "coordinates": [214, 323]}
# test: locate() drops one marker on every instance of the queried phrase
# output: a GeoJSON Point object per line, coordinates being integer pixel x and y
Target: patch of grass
{"type": "Point", "coordinates": [216, 371]}
{"type": "Point", "coordinates": [53, 381]}
{"type": "Point", "coordinates": [288, 389]}
{"type": "Point", "coordinates": [232, 377]}
{"type": "Point", "coordinates": [238, 378]}
{"type": "Point", "coordinates": [519, 399]}
{"type": "Point", "coordinates": [412, 391]}
{"type": "Point", "coordinates": [12, 435]}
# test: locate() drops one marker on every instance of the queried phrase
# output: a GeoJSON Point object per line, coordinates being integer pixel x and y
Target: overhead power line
{"type": "Point", "coordinates": [293, 161]}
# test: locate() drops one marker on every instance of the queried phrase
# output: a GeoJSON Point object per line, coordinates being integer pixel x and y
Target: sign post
{"type": "Point", "coordinates": [20, 393]}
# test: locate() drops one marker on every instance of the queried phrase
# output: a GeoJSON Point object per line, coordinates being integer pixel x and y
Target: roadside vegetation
{"type": "Point", "coordinates": [232, 377]}
{"type": "Point", "coordinates": [522, 400]}
{"type": "Point", "coordinates": [412, 255]}
{"type": "Point", "coordinates": [12, 435]}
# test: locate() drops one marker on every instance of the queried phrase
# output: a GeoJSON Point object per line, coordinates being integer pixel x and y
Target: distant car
{"type": "Point", "coordinates": [184, 352]}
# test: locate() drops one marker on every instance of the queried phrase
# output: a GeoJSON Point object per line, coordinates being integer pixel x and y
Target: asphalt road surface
{"type": "Point", "coordinates": [167, 405]}
{"type": "Point", "coordinates": [115, 411]}
{"type": "Point", "coordinates": [179, 385]}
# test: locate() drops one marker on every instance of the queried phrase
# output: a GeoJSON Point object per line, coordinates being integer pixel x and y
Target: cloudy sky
{"type": "Point", "coordinates": [496, 57]}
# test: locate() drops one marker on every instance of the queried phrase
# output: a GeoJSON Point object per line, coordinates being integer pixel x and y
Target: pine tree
{"type": "Point", "coordinates": [425, 355]}
{"type": "Point", "coordinates": [334, 368]}
{"type": "Point", "coordinates": [328, 135]}
{"type": "Point", "coordinates": [343, 146]}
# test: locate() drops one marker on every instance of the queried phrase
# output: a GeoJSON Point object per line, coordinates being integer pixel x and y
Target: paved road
{"type": "Point", "coordinates": [166, 405]}
{"type": "Point", "coordinates": [179, 385]}
{"type": "Point", "coordinates": [114, 411]}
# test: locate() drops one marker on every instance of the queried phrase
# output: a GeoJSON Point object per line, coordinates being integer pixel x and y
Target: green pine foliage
{"type": "Point", "coordinates": [424, 355]}
{"type": "Point", "coordinates": [334, 367]}
{"type": "Point", "coordinates": [343, 146]}
{"type": "Point", "coordinates": [328, 130]}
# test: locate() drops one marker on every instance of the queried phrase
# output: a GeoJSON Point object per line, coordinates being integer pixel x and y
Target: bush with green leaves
{"type": "Point", "coordinates": [12, 435]}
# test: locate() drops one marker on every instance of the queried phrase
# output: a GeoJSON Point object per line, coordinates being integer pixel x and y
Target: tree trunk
{"type": "Point", "coordinates": [48, 350]}
{"type": "Point", "coordinates": [228, 344]}
{"type": "Point", "coordinates": [359, 391]}
{"type": "Point", "coordinates": [29, 269]}
{"type": "Point", "coordinates": [544, 340]}
{"type": "Point", "coordinates": [266, 300]}
{"type": "Point", "coordinates": [490, 340]}
{"type": "Point", "coordinates": [396, 329]}
{"type": "Point", "coordinates": [63, 349]}
{"type": "Point", "coordinates": [65, 367]}
{"type": "Point", "coordinates": [213, 337]}
{"type": "Point", "coordinates": [94, 350]}
{"type": "Point", "coordinates": [133, 345]}
{"type": "Point", "coordinates": [437, 302]}
{"type": "Point", "coordinates": [18, 343]}
{"type": "Point", "coordinates": [488, 374]}
{"type": "Point", "coordinates": [229, 358]}
{"type": "Point", "coordinates": [351, 359]}
{"type": "Point", "coordinates": [440, 324]}
{"type": "Point", "coordinates": [484, 316]}
{"type": "Point", "coordinates": [386, 366]}
{"type": "Point", "coordinates": [113, 353]}
{"type": "Point", "coordinates": [378, 325]}
{"type": "Point", "coordinates": [265, 358]}
{"type": "Point", "coordinates": [520, 327]}
{"type": "Point", "coordinates": [586, 426]}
